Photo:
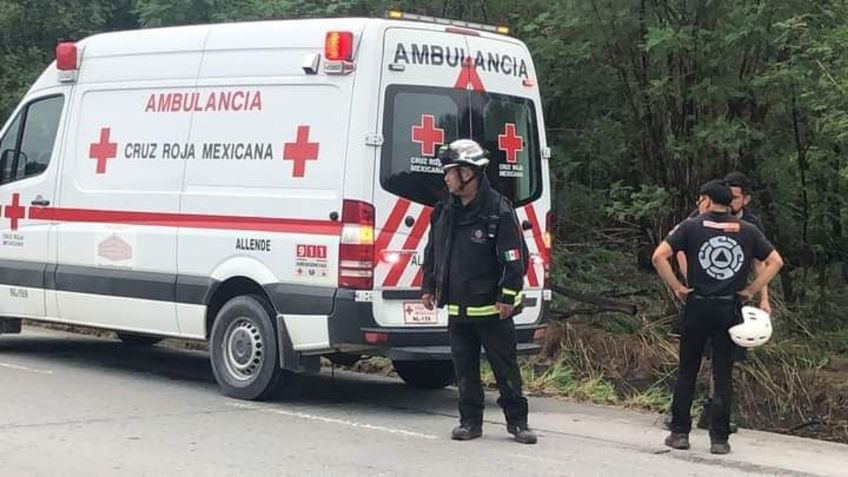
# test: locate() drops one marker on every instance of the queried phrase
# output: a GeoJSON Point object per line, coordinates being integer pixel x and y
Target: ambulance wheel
{"type": "Point", "coordinates": [426, 374]}
{"type": "Point", "coordinates": [137, 340]}
{"type": "Point", "coordinates": [243, 350]}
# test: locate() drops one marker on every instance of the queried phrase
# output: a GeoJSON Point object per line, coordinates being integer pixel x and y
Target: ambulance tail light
{"type": "Point", "coordinates": [66, 61]}
{"type": "Point", "coordinates": [338, 53]}
{"type": "Point", "coordinates": [549, 239]}
{"type": "Point", "coordinates": [356, 247]}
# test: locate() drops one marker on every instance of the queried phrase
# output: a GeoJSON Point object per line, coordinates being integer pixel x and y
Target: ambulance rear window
{"type": "Point", "coordinates": [509, 132]}
{"type": "Point", "coordinates": [418, 120]}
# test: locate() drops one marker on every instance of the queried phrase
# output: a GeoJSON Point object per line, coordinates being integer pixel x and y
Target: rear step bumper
{"type": "Point", "coordinates": [351, 320]}
{"type": "Point", "coordinates": [439, 353]}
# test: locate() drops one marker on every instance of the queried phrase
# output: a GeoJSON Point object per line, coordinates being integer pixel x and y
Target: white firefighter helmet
{"type": "Point", "coordinates": [754, 330]}
{"type": "Point", "coordinates": [463, 152]}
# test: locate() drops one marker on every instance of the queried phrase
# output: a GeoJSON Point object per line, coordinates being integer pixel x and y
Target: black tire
{"type": "Point", "coordinates": [243, 350]}
{"type": "Point", "coordinates": [130, 339]}
{"type": "Point", "coordinates": [343, 359]}
{"type": "Point", "coordinates": [426, 374]}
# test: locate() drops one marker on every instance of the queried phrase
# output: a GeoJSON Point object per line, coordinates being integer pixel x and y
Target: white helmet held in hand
{"type": "Point", "coordinates": [754, 330]}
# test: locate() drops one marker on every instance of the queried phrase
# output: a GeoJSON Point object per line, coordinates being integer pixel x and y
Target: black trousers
{"type": "Point", "coordinates": [706, 319]}
{"type": "Point", "coordinates": [497, 337]}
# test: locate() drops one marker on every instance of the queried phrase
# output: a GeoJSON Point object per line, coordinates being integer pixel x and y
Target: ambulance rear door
{"type": "Point", "coordinates": [420, 110]}
{"type": "Point", "coordinates": [453, 86]}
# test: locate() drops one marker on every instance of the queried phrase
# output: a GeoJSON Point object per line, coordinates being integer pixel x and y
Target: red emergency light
{"type": "Point", "coordinates": [338, 46]}
{"type": "Point", "coordinates": [66, 56]}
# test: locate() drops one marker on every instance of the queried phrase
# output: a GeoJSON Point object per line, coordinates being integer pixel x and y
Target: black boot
{"type": "Point", "coordinates": [466, 432]}
{"type": "Point", "coordinates": [677, 440]}
{"type": "Point", "coordinates": [522, 433]}
{"type": "Point", "coordinates": [719, 447]}
{"type": "Point", "coordinates": [706, 415]}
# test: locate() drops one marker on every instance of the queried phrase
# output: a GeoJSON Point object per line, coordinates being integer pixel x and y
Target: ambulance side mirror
{"type": "Point", "coordinates": [8, 168]}
{"type": "Point", "coordinates": [7, 159]}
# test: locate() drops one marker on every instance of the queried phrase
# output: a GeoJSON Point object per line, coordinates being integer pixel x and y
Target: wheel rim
{"type": "Point", "coordinates": [243, 349]}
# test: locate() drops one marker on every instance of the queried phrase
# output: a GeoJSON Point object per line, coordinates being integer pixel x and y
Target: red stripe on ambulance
{"type": "Point", "coordinates": [411, 243]}
{"type": "Point", "coordinates": [196, 221]}
{"type": "Point", "coordinates": [390, 227]}
{"type": "Point", "coordinates": [538, 240]}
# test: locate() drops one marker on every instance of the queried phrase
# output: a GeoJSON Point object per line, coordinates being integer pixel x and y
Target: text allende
{"type": "Point", "coordinates": [259, 245]}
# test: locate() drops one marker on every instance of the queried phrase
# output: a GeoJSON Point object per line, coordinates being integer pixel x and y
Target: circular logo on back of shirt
{"type": "Point", "coordinates": [721, 257]}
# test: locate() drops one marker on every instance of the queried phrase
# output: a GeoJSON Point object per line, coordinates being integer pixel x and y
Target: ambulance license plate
{"type": "Point", "coordinates": [414, 313]}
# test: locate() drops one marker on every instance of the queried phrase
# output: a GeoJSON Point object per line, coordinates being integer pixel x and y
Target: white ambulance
{"type": "Point", "coordinates": [266, 187]}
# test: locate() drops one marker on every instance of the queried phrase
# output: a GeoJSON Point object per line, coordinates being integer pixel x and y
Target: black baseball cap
{"type": "Point", "coordinates": [740, 180]}
{"type": "Point", "coordinates": [718, 191]}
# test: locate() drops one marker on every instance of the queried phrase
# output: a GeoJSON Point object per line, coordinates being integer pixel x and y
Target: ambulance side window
{"type": "Point", "coordinates": [40, 126]}
{"type": "Point", "coordinates": [26, 153]}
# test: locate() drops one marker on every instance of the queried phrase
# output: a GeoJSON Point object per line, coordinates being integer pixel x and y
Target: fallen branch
{"type": "Point", "coordinates": [605, 304]}
{"type": "Point", "coordinates": [562, 315]}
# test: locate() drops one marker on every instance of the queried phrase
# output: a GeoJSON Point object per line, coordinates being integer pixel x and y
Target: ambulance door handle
{"type": "Point", "coordinates": [40, 202]}
{"type": "Point", "coordinates": [409, 221]}
{"type": "Point", "coordinates": [334, 216]}
{"type": "Point", "coordinates": [526, 225]}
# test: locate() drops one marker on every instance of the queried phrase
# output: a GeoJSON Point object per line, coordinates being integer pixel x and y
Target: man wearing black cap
{"type": "Point", "coordinates": [720, 250]}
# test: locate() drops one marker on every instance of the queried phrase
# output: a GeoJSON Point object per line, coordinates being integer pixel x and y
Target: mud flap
{"type": "Point", "coordinates": [290, 359]}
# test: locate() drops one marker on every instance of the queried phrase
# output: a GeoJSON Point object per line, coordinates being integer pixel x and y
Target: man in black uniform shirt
{"type": "Point", "coordinates": [720, 250]}
{"type": "Point", "coordinates": [740, 188]}
{"type": "Point", "coordinates": [474, 263]}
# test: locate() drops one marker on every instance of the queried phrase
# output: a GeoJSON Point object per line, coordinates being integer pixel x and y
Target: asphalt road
{"type": "Point", "coordinates": [78, 405]}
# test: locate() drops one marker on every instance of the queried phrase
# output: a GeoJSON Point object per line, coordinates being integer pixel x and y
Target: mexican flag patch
{"type": "Point", "coordinates": [512, 255]}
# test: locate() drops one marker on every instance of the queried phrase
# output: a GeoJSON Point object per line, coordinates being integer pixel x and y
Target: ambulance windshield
{"type": "Point", "coordinates": [418, 120]}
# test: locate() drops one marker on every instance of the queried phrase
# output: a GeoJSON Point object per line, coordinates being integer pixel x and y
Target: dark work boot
{"type": "Point", "coordinates": [677, 440]}
{"type": "Point", "coordinates": [466, 432]}
{"type": "Point", "coordinates": [719, 447]}
{"type": "Point", "coordinates": [522, 433]}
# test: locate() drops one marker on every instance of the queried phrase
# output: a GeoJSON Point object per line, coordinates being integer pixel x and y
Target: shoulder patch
{"type": "Point", "coordinates": [733, 227]}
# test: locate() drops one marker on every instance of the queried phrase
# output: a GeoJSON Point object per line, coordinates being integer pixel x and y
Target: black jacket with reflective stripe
{"type": "Point", "coordinates": [475, 254]}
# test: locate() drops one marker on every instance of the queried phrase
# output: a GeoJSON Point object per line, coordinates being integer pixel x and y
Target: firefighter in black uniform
{"type": "Point", "coordinates": [740, 188]}
{"type": "Point", "coordinates": [474, 264]}
{"type": "Point", "coordinates": [720, 250]}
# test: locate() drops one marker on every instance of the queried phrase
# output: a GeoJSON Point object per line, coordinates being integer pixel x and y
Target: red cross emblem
{"type": "Point", "coordinates": [510, 143]}
{"type": "Point", "coordinates": [300, 151]}
{"type": "Point", "coordinates": [468, 76]}
{"type": "Point", "coordinates": [14, 212]}
{"type": "Point", "coordinates": [409, 309]}
{"type": "Point", "coordinates": [428, 135]}
{"type": "Point", "coordinates": [103, 151]}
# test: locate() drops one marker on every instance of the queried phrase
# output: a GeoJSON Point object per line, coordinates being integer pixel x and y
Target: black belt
{"type": "Point", "coordinates": [714, 297]}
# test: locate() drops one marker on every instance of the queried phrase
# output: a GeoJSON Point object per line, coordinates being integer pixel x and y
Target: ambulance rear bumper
{"type": "Point", "coordinates": [352, 329]}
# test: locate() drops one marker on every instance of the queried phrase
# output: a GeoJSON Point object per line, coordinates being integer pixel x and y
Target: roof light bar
{"type": "Point", "coordinates": [399, 15]}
